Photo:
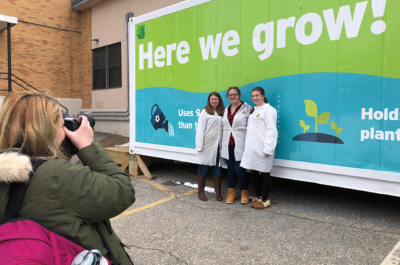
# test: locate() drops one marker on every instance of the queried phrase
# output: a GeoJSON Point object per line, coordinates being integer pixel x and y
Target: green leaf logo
{"type": "Point", "coordinates": [335, 128]}
{"type": "Point", "coordinates": [303, 125]}
{"type": "Point", "coordinates": [323, 117]}
{"type": "Point", "coordinates": [311, 108]}
{"type": "Point", "coordinates": [312, 111]}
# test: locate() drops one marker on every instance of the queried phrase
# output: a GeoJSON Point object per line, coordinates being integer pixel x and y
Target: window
{"type": "Point", "coordinates": [107, 67]}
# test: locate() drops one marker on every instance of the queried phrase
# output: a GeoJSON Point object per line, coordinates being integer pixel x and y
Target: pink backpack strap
{"type": "Point", "coordinates": [55, 248]}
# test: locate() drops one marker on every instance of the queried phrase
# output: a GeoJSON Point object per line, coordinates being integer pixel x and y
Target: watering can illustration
{"type": "Point", "coordinates": [157, 118]}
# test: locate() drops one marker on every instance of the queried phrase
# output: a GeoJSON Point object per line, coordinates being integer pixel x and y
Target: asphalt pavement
{"type": "Point", "coordinates": [306, 224]}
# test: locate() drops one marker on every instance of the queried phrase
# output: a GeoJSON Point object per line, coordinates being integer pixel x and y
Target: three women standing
{"type": "Point", "coordinates": [208, 144]}
{"type": "Point", "coordinates": [234, 125]}
{"type": "Point", "coordinates": [249, 137]}
{"type": "Point", "coordinates": [261, 140]}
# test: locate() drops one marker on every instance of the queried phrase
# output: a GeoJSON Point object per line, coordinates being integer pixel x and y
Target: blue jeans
{"type": "Point", "coordinates": [215, 170]}
{"type": "Point", "coordinates": [235, 171]}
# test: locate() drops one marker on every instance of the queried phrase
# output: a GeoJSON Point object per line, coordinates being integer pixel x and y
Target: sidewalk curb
{"type": "Point", "coordinates": [394, 256]}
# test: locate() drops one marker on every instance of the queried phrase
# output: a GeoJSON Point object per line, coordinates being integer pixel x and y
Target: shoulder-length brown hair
{"type": "Point", "coordinates": [28, 120]}
{"type": "Point", "coordinates": [261, 90]}
{"type": "Point", "coordinates": [220, 108]}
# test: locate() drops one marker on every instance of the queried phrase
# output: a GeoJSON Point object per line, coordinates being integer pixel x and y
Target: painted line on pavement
{"type": "Point", "coordinates": [142, 208]}
{"type": "Point", "coordinates": [190, 192]}
{"type": "Point", "coordinates": [161, 187]}
{"type": "Point", "coordinates": [393, 257]}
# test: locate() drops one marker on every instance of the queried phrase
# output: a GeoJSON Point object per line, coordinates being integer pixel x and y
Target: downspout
{"type": "Point", "coordinates": [123, 113]}
{"type": "Point", "coordinates": [9, 56]}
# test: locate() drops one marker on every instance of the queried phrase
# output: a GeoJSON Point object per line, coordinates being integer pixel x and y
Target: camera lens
{"type": "Point", "coordinates": [90, 119]}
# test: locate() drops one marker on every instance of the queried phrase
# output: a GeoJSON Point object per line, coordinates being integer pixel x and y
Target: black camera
{"type": "Point", "coordinates": [73, 124]}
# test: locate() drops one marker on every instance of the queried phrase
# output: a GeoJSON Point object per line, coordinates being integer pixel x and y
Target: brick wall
{"type": "Point", "coordinates": [48, 58]}
{"type": "Point", "coordinates": [86, 58]}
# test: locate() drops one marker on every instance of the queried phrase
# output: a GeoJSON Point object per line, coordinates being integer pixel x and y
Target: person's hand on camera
{"type": "Point", "coordinates": [83, 136]}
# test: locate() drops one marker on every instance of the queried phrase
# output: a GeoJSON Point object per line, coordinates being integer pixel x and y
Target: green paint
{"type": "Point", "coordinates": [141, 32]}
{"type": "Point", "coordinates": [304, 126]}
{"type": "Point", "coordinates": [365, 53]}
{"type": "Point", "coordinates": [335, 128]}
{"type": "Point", "coordinates": [312, 111]}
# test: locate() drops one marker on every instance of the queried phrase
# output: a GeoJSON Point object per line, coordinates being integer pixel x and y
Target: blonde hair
{"type": "Point", "coordinates": [28, 120]}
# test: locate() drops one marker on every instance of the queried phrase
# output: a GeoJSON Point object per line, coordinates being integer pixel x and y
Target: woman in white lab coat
{"type": "Point", "coordinates": [234, 125]}
{"type": "Point", "coordinates": [259, 151]}
{"type": "Point", "coordinates": [208, 144]}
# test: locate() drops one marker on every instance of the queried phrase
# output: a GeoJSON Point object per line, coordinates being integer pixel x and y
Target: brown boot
{"type": "Point", "coordinates": [217, 187]}
{"type": "Point", "coordinates": [262, 205]}
{"type": "Point", "coordinates": [245, 196]}
{"type": "Point", "coordinates": [231, 195]}
{"type": "Point", "coordinates": [202, 183]}
{"type": "Point", "coordinates": [254, 202]}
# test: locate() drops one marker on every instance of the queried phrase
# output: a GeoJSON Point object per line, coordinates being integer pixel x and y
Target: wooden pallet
{"type": "Point", "coordinates": [122, 157]}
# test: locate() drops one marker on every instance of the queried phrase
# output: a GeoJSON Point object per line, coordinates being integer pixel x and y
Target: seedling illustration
{"type": "Point", "coordinates": [323, 118]}
{"type": "Point", "coordinates": [312, 111]}
{"type": "Point", "coordinates": [304, 126]}
{"type": "Point", "coordinates": [335, 128]}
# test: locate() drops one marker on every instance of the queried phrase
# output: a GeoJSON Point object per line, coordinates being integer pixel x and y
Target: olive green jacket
{"type": "Point", "coordinates": [68, 199]}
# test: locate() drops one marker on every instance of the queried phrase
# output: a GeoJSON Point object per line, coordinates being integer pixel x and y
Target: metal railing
{"type": "Point", "coordinates": [13, 81]}
{"type": "Point", "coordinates": [16, 82]}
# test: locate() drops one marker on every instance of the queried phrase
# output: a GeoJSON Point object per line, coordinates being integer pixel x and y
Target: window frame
{"type": "Point", "coordinates": [107, 67]}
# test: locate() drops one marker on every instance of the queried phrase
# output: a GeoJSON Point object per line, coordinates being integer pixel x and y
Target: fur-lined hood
{"type": "Point", "coordinates": [14, 167]}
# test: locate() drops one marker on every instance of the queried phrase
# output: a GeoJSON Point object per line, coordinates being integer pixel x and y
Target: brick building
{"type": "Point", "coordinates": [50, 47]}
{"type": "Point", "coordinates": [77, 49]}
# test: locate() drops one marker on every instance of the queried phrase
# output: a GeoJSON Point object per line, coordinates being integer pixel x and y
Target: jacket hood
{"type": "Point", "coordinates": [14, 167]}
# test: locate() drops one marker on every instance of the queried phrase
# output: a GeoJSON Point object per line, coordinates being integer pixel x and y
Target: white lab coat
{"type": "Point", "coordinates": [238, 130]}
{"type": "Point", "coordinates": [208, 138]}
{"type": "Point", "coordinates": [261, 138]}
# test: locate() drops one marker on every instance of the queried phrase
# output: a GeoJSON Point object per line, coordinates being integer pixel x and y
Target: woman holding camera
{"type": "Point", "coordinates": [208, 144]}
{"type": "Point", "coordinates": [67, 199]}
{"type": "Point", "coordinates": [259, 152]}
{"type": "Point", "coordinates": [234, 125]}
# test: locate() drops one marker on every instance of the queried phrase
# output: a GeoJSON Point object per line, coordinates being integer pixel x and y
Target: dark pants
{"type": "Point", "coordinates": [262, 184]}
{"type": "Point", "coordinates": [215, 170]}
{"type": "Point", "coordinates": [235, 171]}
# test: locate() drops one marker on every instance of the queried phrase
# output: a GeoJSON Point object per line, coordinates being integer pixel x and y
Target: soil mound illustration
{"type": "Point", "coordinates": [323, 118]}
{"type": "Point", "coordinates": [318, 137]}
